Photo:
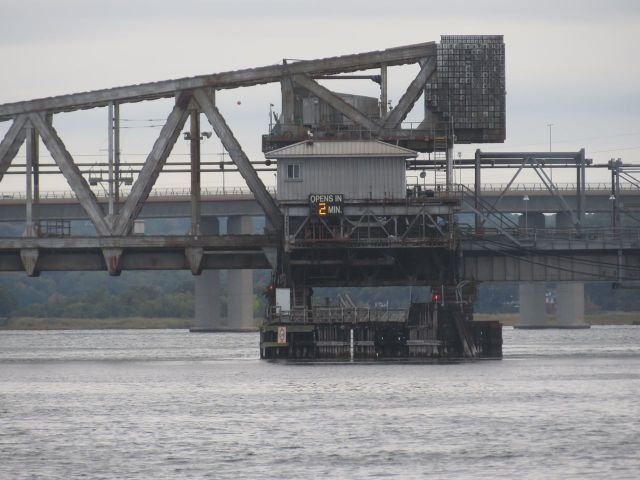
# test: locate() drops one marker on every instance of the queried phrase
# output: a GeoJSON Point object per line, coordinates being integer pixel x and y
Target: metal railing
{"type": "Point", "coordinates": [319, 314]}
{"type": "Point", "coordinates": [158, 192]}
{"type": "Point", "coordinates": [600, 235]}
{"type": "Point", "coordinates": [243, 190]}
{"type": "Point", "coordinates": [534, 187]}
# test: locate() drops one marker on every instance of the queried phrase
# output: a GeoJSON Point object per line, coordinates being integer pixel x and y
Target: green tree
{"type": "Point", "coordinates": [8, 302]}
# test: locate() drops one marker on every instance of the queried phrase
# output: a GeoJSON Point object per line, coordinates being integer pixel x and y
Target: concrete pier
{"type": "Point", "coordinates": [533, 313]}
{"type": "Point", "coordinates": [564, 221]}
{"type": "Point", "coordinates": [207, 288]}
{"type": "Point", "coordinates": [570, 305]}
{"type": "Point", "coordinates": [240, 283]}
{"type": "Point", "coordinates": [530, 221]}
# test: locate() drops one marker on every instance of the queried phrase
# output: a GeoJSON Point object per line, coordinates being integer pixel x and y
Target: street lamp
{"type": "Point", "coordinates": [525, 199]}
{"type": "Point", "coordinates": [270, 117]}
{"type": "Point", "coordinates": [612, 197]}
{"type": "Point", "coordinates": [550, 168]}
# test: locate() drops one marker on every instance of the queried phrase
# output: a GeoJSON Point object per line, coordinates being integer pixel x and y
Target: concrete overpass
{"type": "Point", "coordinates": [233, 201]}
{"type": "Point", "coordinates": [117, 245]}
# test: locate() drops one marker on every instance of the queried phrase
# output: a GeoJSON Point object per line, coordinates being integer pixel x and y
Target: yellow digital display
{"type": "Point", "coordinates": [326, 204]}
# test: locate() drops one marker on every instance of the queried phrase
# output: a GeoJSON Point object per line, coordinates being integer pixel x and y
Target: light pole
{"type": "Point", "coordinates": [550, 167]}
{"type": "Point", "coordinates": [612, 197]}
{"type": "Point", "coordinates": [270, 118]}
{"type": "Point", "coordinates": [525, 199]}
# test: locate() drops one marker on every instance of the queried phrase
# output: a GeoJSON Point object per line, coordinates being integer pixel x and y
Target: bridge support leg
{"type": "Point", "coordinates": [207, 288]}
{"type": "Point", "coordinates": [240, 284]}
{"type": "Point", "coordinates": [533, 312]}
{"type": "Point", "coordinates": [570, 305]}
{"type": "Point", "coordinates": [563, 221]}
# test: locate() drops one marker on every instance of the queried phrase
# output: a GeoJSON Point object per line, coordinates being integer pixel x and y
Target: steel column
{"type": "Point", "coordinates": [111, 179]}
{"type": "Point", "coordinates": [224, 133]}
{"type": "Point", "coordinates": [195, 171]}
{"type": "Point", "coordinates": [32, 160]}
{"type": "Point", "coordinates": [383, 91]}
{"type": "Point", "coordinates": [116, 152]}
{"type": "Point", "coordinates": [477, 190]}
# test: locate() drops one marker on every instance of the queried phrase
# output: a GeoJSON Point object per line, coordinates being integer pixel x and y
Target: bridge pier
{"type": "Point", "coordinates": [533, 312]}
{"type": "Point", "coordinates": [569, 295]}
{"type": "Point", "coordinates": [570, 305]}
{"type": "Point", "coordinates": [531, 220]}
{"type": "Point", "coordinates": [240, 283]}
{"type": "Point", "coordinates": [207, 287]}
{"type": "Point", "coordinates": [564, 221]}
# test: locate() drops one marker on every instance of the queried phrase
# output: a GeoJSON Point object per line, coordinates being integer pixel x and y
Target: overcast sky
{"type": "Point", "coordinates": [571, 63]}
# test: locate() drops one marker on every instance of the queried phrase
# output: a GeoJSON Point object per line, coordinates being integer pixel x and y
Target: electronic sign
{"type": "Point", "coordinates": [326, 204]}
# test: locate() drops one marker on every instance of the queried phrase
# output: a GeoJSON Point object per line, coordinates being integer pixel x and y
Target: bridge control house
{"type": "Point", "coordinates": [350, 219]}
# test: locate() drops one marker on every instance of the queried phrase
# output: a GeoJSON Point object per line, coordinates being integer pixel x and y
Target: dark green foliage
{"type": "Point", "coordinates": [171, 294]}
{"type": "Point", "coordinates": [497, 298]}
{"type": "Point", "coordinates": [7, 301]}
{"type": "Point", "coordinates": [97, 295]}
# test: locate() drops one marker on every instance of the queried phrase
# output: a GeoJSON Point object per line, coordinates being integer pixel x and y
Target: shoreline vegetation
{"type": "Point", "coordinates": [600, 318]}
{"type": "Point", "coordinates": [127, 323]}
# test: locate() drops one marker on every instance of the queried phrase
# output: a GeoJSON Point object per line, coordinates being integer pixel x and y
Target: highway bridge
{"type": "Point", "coordinates": [175, 202]}
{"type": "Point", "coordinates": [407, 238]}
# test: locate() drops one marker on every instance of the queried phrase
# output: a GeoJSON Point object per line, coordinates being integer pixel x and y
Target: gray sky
{"type": "Point", "coordinates": [570, 63]}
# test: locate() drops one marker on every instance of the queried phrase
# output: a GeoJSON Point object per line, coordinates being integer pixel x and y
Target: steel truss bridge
{"type": "Point", "coordinates": [375, 241]}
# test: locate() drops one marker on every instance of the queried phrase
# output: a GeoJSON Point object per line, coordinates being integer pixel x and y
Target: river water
{"type": "Point", "coordinates": [170, 404]}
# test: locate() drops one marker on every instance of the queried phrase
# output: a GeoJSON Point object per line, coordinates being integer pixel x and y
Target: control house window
{"type": "Point", "coordinates": [293, 171]}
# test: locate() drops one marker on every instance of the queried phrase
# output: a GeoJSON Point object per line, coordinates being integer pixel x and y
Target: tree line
{"type": "Point", "coordinates": [171, 294]}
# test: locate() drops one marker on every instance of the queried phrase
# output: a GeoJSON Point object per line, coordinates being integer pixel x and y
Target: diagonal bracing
{"type": "Point", "coordinates": [394, 118]}
{"type": "Point", "coordinates": [71, 173]}
{"type": "Point", "coordinates": [11, 143]}
{"type": "Point", "coordinates": [153, 165]}
{"type": "Point", "coordinates": [336, 102]}
{"type": "Point", "coordinates": [228, 140]}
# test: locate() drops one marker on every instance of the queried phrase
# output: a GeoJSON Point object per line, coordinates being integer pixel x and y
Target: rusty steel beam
{"type": "Point", "coordinates": [394, 118]}
{"type": "Point", "coordinates": [11, 143]}
{"type": "Point", "coordinates": [219, 243]}
{"type": "Point", "coordinates": [153, 165]}
{"type": "Point", "coordinates": [233, 79]}
{"type": "Point", "coordinates": [231, 145]}
{"type": "Point", "coordinates": [336, 102]}
{"type": "Point", "coordinates": [71, 172]}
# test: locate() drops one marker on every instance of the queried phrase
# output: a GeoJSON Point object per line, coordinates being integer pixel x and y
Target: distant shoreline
{"type": "Point", "coordinates": [128, 323]}
{"type": "Point", "coordinates": [602, 318]}
{"type": "Point", "coordinates": [131, 323]}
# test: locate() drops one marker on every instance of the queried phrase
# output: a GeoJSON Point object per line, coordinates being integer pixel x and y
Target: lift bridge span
{"type": "Point", "coordinates": [344, 214]}
{"type": "Point", "coordinates": [503, 251]}
{"type": "Point", "coordinates": [494, 248]}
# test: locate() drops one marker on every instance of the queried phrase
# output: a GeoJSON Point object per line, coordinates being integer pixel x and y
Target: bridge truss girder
{"type": "Point", "coordinates": [193, 96]}
{"type": "Point", "coordinates": [343, 266]}
{"type": "Point", "coordinates": [114, 254]}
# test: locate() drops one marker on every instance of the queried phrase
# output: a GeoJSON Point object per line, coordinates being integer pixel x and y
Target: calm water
{"type": "Point", "coordinates": [169, 404]}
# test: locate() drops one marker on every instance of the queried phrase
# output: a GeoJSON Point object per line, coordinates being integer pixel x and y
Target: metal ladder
{"type": "Point", "coordinates": [440, 137]}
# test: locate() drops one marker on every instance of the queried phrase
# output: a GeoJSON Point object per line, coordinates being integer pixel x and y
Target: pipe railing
{"type": "Point", "coordinates": [599, 234]}
{"type": "Point", "coordinates": [243, 190]}
{"type": "Point", "coordinates": [335, 314]}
